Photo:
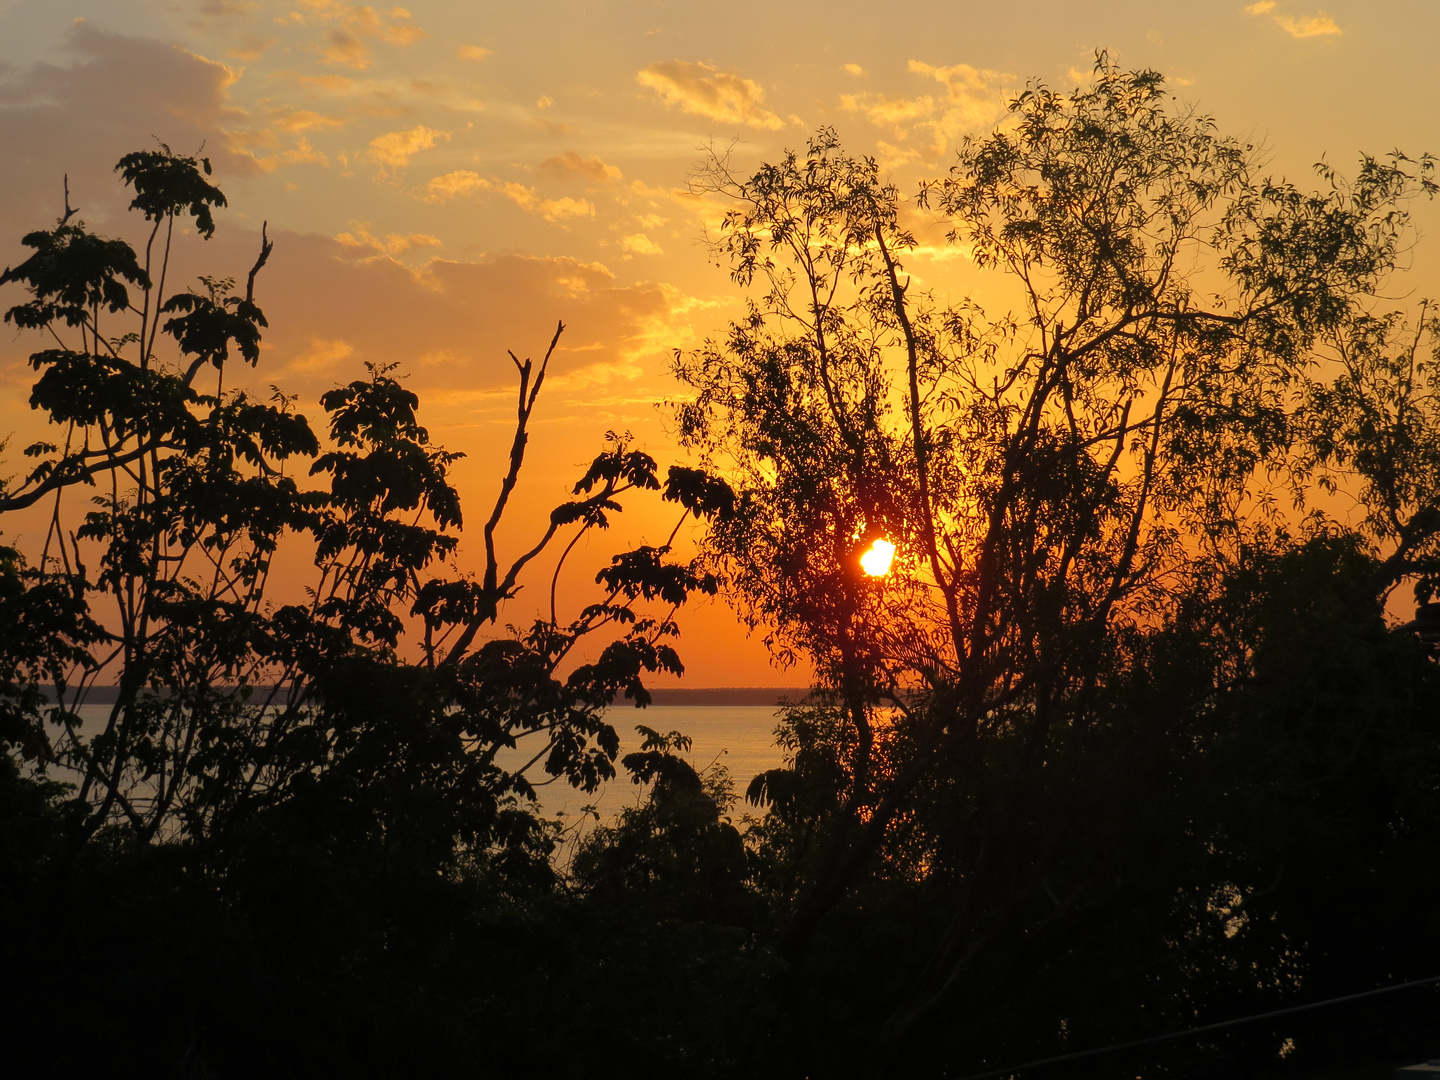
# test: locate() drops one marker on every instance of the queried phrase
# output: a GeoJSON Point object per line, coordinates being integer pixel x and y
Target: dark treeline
{"type": "Point", "coordinates": [1121, 747]}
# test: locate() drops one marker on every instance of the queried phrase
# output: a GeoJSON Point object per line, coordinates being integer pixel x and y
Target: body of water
{"type": "Point", "coordinates": [739, 737]}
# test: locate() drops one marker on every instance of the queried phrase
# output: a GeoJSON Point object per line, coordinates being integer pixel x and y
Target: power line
{"type": "Point", "coordinates": [1198, 1030]}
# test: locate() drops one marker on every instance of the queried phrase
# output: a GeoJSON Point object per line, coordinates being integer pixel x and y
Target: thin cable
{"type": "Point", "coordinates": [1197, 1031]}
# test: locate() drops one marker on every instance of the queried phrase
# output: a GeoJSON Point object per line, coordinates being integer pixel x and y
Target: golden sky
{"type": "Point", "coordinates": [446, 180]}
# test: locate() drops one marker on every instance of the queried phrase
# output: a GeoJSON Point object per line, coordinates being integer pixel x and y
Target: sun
{"type": "Point", "coordinates": [877, 558]}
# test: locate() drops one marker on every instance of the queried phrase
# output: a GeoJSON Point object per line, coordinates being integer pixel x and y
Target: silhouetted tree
{"type": "Point", "coordinates": [1121, 744]}
{"type": "Point", "coordinates": [269, 767]}
{"type": "Point", "coordinates": [1195, 365]}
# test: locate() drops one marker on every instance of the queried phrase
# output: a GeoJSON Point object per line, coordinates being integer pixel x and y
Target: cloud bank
{"type": "Point", "coordinates": [703, 90]}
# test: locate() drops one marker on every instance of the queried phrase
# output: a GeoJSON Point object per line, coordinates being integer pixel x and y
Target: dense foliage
{"type": "Point", "coordinates": [1124, 744]}
{"type": "Point", "coordinates": [282, 781]}
{"type": "Point", "coordinates": [1129, 674]}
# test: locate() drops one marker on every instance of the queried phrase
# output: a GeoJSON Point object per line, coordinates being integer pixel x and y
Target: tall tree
{"type": "Point", "coordinates": [227, 701]}
{"type": "Point", "coordinates": [1195, 362]}
{"type": "Point", "coordinates": [293, 803]}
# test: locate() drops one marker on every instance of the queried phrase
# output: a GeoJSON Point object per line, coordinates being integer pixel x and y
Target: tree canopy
{"type": "Point", "coordinates": [1123, 743]}
{"type": "Point", "coordinates": [1198, 395]}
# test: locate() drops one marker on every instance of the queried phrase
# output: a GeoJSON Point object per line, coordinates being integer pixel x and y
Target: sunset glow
{"type": "Point", "coordinates": [448, 461]}
{"type": "Point", "coordinates": [438, 193]}
{"type": "Point", "coordinates": [877, 558]}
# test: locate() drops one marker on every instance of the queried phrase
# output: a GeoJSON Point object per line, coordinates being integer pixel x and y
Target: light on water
{"type": "Point", "coordinates": [741, 738]}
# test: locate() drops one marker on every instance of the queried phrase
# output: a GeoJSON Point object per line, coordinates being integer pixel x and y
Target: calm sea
{"type": "Point", "coordinates": [738, 737]}
{"type": "Point", "coordinates": [741, 738]}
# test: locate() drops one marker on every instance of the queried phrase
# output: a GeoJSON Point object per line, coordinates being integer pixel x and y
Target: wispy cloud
{"type": "Point", "coordinates": [706, 209]}
{"type": "Point", "coordinates": [288, 118]}
{"type": "Point", "coordinates": [571, 166]}
{"type": "Point", "coordinates": [466, 182]}
{"type": "Point", "coordinates": [269, 130]}
{"type": "Point", "coordinates": [640, 244]}
{"type": "Point", "coordinates": [251, 48]}
{"type": "Point", "coordinates": [1317, 25]}
{"type": "Point", "coordinates": [973, 95]}
{"type": "Point", "coordinates": [704, 90]}
{"type": "Point", "coordinates": [349, 26]}
{"type": "Point", "coordinates": [973, 98]}
{"type": "Point", "coordinates": [1297, 26]}
{"type": "Point", "coordinates": [554, 127]}
{"type": "Point", "coordinates": [302, 153]}
{"type": "Point", "coordinates": [332, 84]}
{"type": "Point", "coordinates": [454, 184]}
{"type": "Point", "coordinates": [223, 8]}
{"type": "Point", "coordinates": [322, 355]}
{"type": "Point", "coordinates": [553, 210]}
{"type": "Point", "coordinates": [396, 148]}
{"type": "Point", "coordinates": [360, 236]}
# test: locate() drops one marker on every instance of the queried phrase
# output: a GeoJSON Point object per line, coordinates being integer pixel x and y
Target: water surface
{"type": "Point", "coordinates": [740, 738]}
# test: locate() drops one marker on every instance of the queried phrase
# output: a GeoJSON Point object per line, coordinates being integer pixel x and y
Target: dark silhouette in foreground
{"type": "Point", "coordinates": [1120, 750]}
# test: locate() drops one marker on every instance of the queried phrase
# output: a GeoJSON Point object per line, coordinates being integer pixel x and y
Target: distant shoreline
{"type": "Point", "coordinates": [669, 695]}
{"type": "Point", "coordinates": [727, 695]}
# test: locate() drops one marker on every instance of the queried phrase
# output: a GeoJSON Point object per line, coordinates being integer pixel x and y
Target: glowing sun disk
{"type": "Point", "coordinates": [876, 560]}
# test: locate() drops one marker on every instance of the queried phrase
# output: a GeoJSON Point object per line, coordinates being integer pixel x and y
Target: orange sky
{"type": "Point", "coordinates": [446, 181]}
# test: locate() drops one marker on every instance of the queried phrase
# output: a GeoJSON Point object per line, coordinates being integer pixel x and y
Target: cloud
{"type": "Point", "coordinates": [473, 52]}
{"type": "Point", "coordinates": [349, 26]}
{"type": "Point", "coordinates": [252, 48]}
{"type": "Point", "coordinates": [365, 22]}
{"type": "Point", "coordinates": [321, 356]}
{"type": "Point", "coordinates": [554, 127]}
{"type": "Point", "coordinates": [396, 148]}
{"type": "Point", "coordinates": [1303, 26]}
{"type": "Point", "coordinates": [302, 153]}
{"type": "Point", "coordinates": [973, 99]}
{"type": "Point", "coordinates": [335, 84]}
{"type": "Point", "coordinates": [1317, 25]}
{"type": "Point", "coordinates": [704, 90]}
{"type": "Point", "coordinates": [465, 182]}
{"type": "Point", "coordinates": [291, 119]}
{"type": "Point", "coordinates": [344, 48]}
{"type": "Point", "coordinates": [853, 69]}
{"type": "Point", "coordinates": [360, 236]}
{"type": "Point", "coordinates": [223, 8]}
{"type": "Point", "coordinates": [891, 158]}
{"type": "Point", "coordinates": [553, 210]}
{"type": "Point", "coordinates": [889, 112]}
{"type": "Point", "coordinates": [108, 95]}
{"type": "Point", "coordinates": [974, 95]}
{"type": "Point", "coordinates": [705, 208]}
{"type": "Point", "coordinates": [571, 166]}
{"type": "Point", "coordinates": [283, 121]}
{"type": "Point", "coordinates": [454, 184]}
{"type": "Point", "coordinates": [640, 244]}
{"type": "Point", "coordinates": [332, 306]}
